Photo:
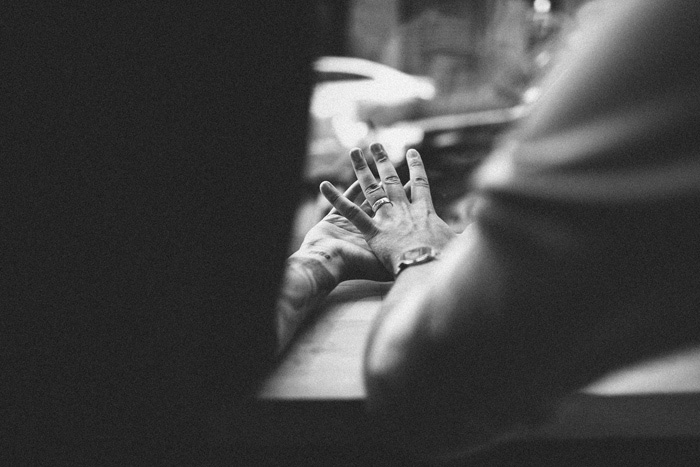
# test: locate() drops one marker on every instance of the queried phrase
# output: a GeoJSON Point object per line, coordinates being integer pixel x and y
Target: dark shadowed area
{"type": "Point", "coordinates": [150, 155]}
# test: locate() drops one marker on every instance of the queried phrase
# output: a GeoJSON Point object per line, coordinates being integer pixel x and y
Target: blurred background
{"type": "Point", "coordinates": [446, 77]}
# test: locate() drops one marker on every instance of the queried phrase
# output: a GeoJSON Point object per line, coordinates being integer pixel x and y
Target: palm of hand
{"type": "Point", "coordinates": [337, 234]}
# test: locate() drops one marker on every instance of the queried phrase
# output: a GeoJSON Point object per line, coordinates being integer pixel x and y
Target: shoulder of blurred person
{"type": "Point", "coordinates": [607, 163]}
{"type": "Point", "coordinates": [632, 108]}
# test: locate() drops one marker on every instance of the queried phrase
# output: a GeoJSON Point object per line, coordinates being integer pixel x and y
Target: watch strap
{"type": "Point", "coordinates": [415, 256]}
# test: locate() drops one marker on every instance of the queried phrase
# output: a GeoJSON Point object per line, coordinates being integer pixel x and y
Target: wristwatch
{"type": "Point", "coordinates": [414, 256]}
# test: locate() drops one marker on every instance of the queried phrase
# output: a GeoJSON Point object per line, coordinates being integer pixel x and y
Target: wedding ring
{"type": "Point", "coordinates": [381, 202]}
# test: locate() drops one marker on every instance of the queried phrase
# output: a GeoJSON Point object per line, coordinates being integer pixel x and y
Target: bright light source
{"type": "Point", "coordinates": [542, 6]}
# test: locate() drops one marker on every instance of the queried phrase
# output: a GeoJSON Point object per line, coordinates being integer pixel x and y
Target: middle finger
{"type": "Point", "coordinates": [372, 188]}
{"type": "Point", "coordinates": [387, 172]}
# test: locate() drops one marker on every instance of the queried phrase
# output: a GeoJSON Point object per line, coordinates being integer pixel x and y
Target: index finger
{"type": "Point", "coordinates": [353, 194]}
{"type": "Point", "coordinates": [348, 209]}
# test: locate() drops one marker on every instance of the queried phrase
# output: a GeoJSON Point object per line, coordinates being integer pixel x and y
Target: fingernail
{"type": "Point", "coordinates": [356, 154]}
{"type": "Point", "coordinates": [412, 153]}
{"type": "Point", "coordinates": [376, 148]}
{"type": "Point", "coordinates": [328, 190]}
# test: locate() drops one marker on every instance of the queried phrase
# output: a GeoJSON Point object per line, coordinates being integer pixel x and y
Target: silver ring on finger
{"type": "Point", "coordinates": [381, 202]}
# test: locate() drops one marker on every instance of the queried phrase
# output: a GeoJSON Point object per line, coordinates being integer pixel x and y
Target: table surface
{"type": "Point", "coordinates": [324, 366]}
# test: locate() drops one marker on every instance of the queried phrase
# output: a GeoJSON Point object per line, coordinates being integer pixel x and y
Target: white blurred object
{"type": "Point", "coordinates": [397, 139]}
{"type": "Point", "coordinates": [349, 130]}
{"type": "Point", "coordinates": [345, 88]}
{"type": "Point", "coordinates": [542, 6]}
{"type": "Point", "coordinates": [356, 79]}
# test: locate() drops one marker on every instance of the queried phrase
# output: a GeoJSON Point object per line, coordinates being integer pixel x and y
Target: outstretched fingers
{"type": "Point", "coordinates": [347, 208]}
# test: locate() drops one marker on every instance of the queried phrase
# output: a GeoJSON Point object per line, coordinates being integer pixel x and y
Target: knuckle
{"type": "Point", "coordinates": [420, 181]}
{"type": "Point", "coordinates": [373, 187]}
{"type": "Point", "coordinates": [392, 180]}
{"type": "Point", "coordinates": [415, 163]}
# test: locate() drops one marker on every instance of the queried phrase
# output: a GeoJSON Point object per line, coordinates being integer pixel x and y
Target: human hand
{"type": "Point", "coordinates": [401, 224]}
{"type": "Point", "coordinates": [332, 251]}
{"type": "Point", "coordinates": [341, 247]}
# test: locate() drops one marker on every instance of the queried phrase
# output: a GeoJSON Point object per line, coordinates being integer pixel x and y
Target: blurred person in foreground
{"type": "Point", "coordinates": [583, 255]}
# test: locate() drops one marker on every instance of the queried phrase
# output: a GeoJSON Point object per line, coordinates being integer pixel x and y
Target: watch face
{"type": "Point", "coordinates": [416, 253]}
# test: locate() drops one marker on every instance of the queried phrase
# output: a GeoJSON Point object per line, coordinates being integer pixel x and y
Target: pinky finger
{"type": "Point", "coordinates": [347, 208]}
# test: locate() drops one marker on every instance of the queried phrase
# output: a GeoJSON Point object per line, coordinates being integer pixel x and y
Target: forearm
{"type": "Point", "coordinates": [308, 279]}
